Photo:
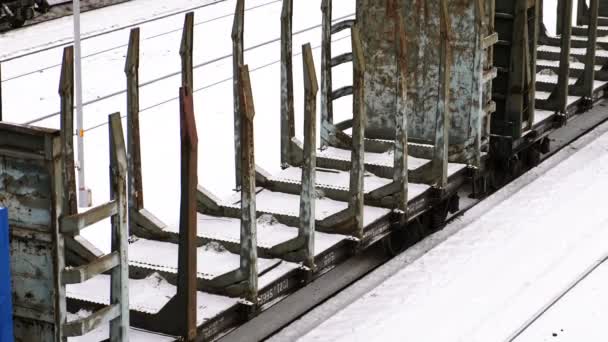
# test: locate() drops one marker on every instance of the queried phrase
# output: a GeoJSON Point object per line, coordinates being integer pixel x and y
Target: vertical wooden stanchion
{"type": "Point", "coordinates": [187, 257]}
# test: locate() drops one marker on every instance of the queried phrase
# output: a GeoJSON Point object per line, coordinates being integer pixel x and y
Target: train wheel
{"type": "Point", "coordinates": [438, 215]}
{"type": "Point", "coordinates": [396, 242]}
{"type": "Point", "coordinates": [19, 19]}
{"type": "Point", "coordinates": [17, 22]}
{"type": "Point", "coordinates": [28, 13]}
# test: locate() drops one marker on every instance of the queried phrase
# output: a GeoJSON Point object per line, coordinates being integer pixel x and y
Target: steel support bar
{"type": "Point", "coordinates": [589, 73]}
{"type": "Point", "coordinates": [119, 291]}
{"type": "Point", "coordinates": [248, 208]}
{"type": "Point", "coordinates": [73, 224]}
{"type": "Point", "coordinates": [66, 93]}
{"type": "Point", "coordinates": [237, 62]}
{"type": "Point", "coordinates": [400, 165]}
{"type": "Point", "coordinates": [327, 115]}
{"type": "Point", "coordinates": [187, 260]}
{"type": "Point", "coordinates": [357, 172]}
{"type": "Point", "coordinates": [581, 12]}
{"type": "Point", "coordinates": [135, 185]}
{"type": "Point", "coordinates": [186, 51]}
{"type": "Point", "coordinates": [287, 109]}
{"type": "Point", "coordinates": [517, 86]}
{"type": "Point", "coordinates": [532, 43]}
{"type": "Point", "coordinates": [441, 150]}
{"type": "Point", "coordinates": [565, 28]}
{"type": "Point", "coordinates": [80, 274]}
{"type": "Point", "coordinates": [307, 197]}
{"type": "Point", "coordinates": [85, 325]}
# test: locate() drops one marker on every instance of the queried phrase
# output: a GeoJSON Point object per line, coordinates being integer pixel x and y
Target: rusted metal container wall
{"type": "Point", "coordinates": [468, 95]}
{"type": "Point", "coordinates": [6, 302]}
{"type": "Point", "coordinates": [25, 189]}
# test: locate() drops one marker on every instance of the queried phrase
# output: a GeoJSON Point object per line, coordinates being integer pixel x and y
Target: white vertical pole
{"type": "Point", "coordinates": [84, 194]}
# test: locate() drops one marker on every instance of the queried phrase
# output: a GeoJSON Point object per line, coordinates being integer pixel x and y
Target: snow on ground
{"type": "Point", "coordinates": [484, 282]}
{"type": "Point", "coordinates": [30, 94]}
{"type": "Point", "coordinates": [60, 31]}
{"type": "Point", "coordinates": [575, 317]}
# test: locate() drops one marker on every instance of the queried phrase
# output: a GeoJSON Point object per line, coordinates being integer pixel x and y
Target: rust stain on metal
{"type": "Point", "coordinates": [187, 259]}
{"type": "Point", "coordinates": [135, 185]}
{"type": "Point", "coordinates": [248, 207]}
{"type": "Point", "coordinates": [237, 62]}
{"type": "Point", "coordinates": [357, 172]}
{"type": "Point", "coordinates": [287, 109]}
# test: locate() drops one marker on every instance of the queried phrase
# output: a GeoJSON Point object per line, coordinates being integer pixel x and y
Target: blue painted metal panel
{"type": "Point", "coordinates": [6, 305]}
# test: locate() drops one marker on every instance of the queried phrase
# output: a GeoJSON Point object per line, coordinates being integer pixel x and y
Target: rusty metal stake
{"type": "Point", "coordinates": [237, 62]}
{"type": "Point", "coordinates": [135, 185]}
{"type": "Point", "coordinates": [288, 130]}
{"type": "Point", "coordinates": [565, 25]}
{"type": "Point", "coordinates": [187, 261]}
{"type": "Point", "coordinates": [441, 149]}
{"type": "Point", "coordinates": [119, 292]}
{"type": "Point", "coordinates": [307, 197]}
{"type": "Point", "coordinates": [66, 92]}
{"type": "Point", "coordinates": [248, 208]}
{"type": "Point", "coordinates": [186, 51]}
{"type": "Point", "coordinates": [401, 152]}
{"type": "Point", "coordinates": [591, 48]}
{"type": "Point", "coordinates": [327, 116]}
{"type": "Point", "coordinates": [357, 173]}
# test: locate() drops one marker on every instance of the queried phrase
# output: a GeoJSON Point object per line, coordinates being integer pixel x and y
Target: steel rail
{"type": "Point", "coordinates": [558, 297]}
{"type": "Point", "coordinates": [177, 73]}
{"type": "Point", "coordinates": [164, 16]}
{"type": "Point", "coordinates": [178, 30]}
{"type": "Point", "coordinates": [228, 79]}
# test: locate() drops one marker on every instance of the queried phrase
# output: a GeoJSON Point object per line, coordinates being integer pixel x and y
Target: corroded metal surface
{"type": "Point", "coordinates": [357, 172]}
{"type": "Point", "coordinates": [327, 117]}
{"type": "Point", "coordinates": [287, 109]}
{"type": "Point", "coordinates": [401, 151]}
{"type": "Point", "coordinates": [237, 62]}
{"type": "Point", "coordinates": [119, 291]}
{"type": "Point", "coordinates": [468, 93]}
{"type": "Point", "coordinates": [186, 50]}
{"type": "Point", "coordinates": [187, 260]}
{"type": "Point", "coordinates": [307, 197]}
{"type": "Point", "coordinates": [135, 186]}
{"type": "Point", "coordinates": [248, 208]}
